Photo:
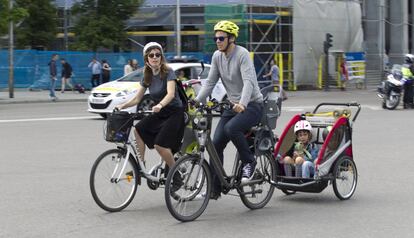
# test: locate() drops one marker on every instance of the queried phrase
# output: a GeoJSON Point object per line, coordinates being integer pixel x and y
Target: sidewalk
{"type": "Point", "coordinates": [26, 96]}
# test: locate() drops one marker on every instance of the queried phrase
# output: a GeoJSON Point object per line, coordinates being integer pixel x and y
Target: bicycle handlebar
{"type": "Point", "coordinates": [212, 105]}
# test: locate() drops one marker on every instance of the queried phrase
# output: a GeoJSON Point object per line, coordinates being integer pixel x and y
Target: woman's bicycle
{"type": "Point", "coordinates": [188, 199]}
{"type": "Point", "coordinates": [116, 173]}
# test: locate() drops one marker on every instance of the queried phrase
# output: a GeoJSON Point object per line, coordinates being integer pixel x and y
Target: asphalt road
{"type": "Point", "coordinates": [47, 150]}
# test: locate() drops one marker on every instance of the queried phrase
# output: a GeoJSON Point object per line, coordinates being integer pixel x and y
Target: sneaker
{"type": "Point", "coordinates": [248, 171]}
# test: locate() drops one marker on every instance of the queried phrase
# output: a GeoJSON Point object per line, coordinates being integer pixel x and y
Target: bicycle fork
{"type": "Point", "coordinates": [114, 178]}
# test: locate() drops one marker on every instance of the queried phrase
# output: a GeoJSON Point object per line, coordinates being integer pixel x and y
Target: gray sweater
{"type": "Point", "coordinates": [237, 74]}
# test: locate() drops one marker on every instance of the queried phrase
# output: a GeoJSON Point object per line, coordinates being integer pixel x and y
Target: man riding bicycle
{"type": "Point", "coordinates": [232, 64]}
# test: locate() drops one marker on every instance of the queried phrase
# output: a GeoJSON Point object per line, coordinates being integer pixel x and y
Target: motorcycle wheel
{"type": "Point", "coordinates": [392, 102]}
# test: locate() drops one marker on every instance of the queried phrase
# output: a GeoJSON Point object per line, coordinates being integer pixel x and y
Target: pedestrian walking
{"type": "Point", "coordinates": [53, 76]}
{"type": "Point", "coordinates": [274, 73]}
{"type": "Point", "coordinates": [66, 75]}
{"type": "Point", "coordinates": [96, 72]}
{"type": "Point", "coordinates": [106, 71]}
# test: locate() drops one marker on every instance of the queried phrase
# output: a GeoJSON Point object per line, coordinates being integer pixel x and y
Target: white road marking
{"type": "Point", "coordinates": [48, 119]}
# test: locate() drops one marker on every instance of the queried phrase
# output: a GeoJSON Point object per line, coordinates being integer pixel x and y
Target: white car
{"type": "Point", "coordinates": [106, 96]}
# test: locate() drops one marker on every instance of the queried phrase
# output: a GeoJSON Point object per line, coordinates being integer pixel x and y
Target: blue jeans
{"type": "Point", "coordinates": [308, 169]}
{"type": "Point", "coordinates": [232, 127]}
{"type": "Point", "coordinates": [52, 87]}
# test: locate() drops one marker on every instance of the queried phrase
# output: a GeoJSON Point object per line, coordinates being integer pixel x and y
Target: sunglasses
{"type": "Point", "coordinates": [156, 55]}
{"type": "Point", "coordinates": [220, 38]}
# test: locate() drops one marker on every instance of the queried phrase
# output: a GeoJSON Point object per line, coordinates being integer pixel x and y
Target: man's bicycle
{"type": "Point", "coordinates": [189, 199]}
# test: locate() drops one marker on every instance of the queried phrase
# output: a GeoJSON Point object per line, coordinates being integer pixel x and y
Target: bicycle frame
{"type": "Point", "coordinates": [131, 150]}
{"type": "Point", "coordinates": [228, 181]}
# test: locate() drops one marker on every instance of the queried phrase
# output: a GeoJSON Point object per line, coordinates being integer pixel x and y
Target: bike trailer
{"type": "Point", "coordinates": [332, 132]}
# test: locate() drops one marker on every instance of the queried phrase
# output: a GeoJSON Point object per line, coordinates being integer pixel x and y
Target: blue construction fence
{"type": "Point", "coordinates": [31, 68]}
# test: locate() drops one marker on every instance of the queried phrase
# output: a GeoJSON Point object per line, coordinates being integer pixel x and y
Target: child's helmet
{"type": "Point", "coordinates": [303, 125]}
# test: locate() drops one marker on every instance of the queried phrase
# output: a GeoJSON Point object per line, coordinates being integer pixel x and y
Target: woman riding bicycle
{"type": "Point", "coordinates": [233, 65]}
{"type": "Point", "coordinates": [164, 129]}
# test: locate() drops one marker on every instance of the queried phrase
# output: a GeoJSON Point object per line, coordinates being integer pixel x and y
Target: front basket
{"type": "Point", "coordinates": [118, 125]}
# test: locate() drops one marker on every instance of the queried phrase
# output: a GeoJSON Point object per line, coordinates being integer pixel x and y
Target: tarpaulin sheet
{"type": "Point", "coordinates": [311, 21]}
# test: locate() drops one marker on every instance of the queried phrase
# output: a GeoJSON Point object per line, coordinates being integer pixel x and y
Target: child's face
{"type": "Point", "coordinates": [303, 136]}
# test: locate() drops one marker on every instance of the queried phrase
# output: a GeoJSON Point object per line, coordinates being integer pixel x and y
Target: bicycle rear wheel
{"type": "Point", "coordinates": [257, 194]}
{"type": "Point", "coordinates": [112, 186]}
{"type": "Point", "coordinates": [187, 188]}
{"type": "Point", "coordinates": [345, 178]}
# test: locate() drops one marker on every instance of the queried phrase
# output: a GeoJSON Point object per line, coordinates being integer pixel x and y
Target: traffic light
{"type": "Point", "coordinates": [327, 43]}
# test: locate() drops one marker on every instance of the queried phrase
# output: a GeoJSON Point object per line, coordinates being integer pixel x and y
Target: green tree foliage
{"type": "Point", "coordinates": [101, 23]}
{"type": "Point", "coordinates": [16, 14]}
{"type": "Point", "coordinates": [39, 29]}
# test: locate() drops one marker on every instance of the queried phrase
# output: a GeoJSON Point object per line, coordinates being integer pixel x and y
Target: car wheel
{"type": "Point", "coordinates": [146, 103]}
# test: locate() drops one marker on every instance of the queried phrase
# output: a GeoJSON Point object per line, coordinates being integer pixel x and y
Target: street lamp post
{"type": "Point", "coordinates": [65, 25]}
{"type": "Point", "coordinates": [178, 29]}
{"type": "Point", "coordinates": [11, 46]}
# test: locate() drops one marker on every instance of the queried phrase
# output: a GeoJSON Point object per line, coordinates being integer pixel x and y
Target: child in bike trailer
{"type": "Point", "coordinates": [303, 153]}
{"type": "Point", "coordinates": [232, 63]}
{"type": "Point", "coordinates": [164, 129]}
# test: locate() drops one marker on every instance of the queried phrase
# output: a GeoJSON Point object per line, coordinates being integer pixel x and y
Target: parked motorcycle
{"type": "Point", "coordinates": [390, 89]}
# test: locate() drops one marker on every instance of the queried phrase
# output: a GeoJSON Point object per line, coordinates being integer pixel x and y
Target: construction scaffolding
{"type": "Point", "coordinates": [266, 31]}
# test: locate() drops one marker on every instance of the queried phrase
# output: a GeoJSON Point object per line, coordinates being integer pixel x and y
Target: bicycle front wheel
{"type": "Point", "coordinates": [257, 194]}
{"type": "Point", "coordinates": [187, 188]}
{"type": "Point", "coordinates": [113, 180]}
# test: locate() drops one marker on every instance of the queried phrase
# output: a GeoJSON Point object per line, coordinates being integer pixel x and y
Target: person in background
{"type": "Point", "coordinates": [408, 76]}
{"type": "Point", "coordinates": [344, 74]}
{"type": "Point", "coordinates": [96, 72]}
{"type": "Point", "coordinates": [66, 75]}
{"type": "Point", "coordinates": [106, 71]}
{"type": "Point", "coordinates": [53, 76]}
{"type": "Point", "coordinates": [135, 64]}
{"type": "Point", "coordinates": [128, 67]}
{"type": "Point", "coordinates": [274, 73]}
{"type": "Point", "coordinates": [181, 75]}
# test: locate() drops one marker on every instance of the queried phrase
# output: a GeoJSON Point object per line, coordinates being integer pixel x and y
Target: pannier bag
{"type": "Point", "coordinates": [118, 125]}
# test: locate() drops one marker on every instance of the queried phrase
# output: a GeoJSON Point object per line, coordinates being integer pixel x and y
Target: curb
{"type": "Point", "coordinates": [25, 101]}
